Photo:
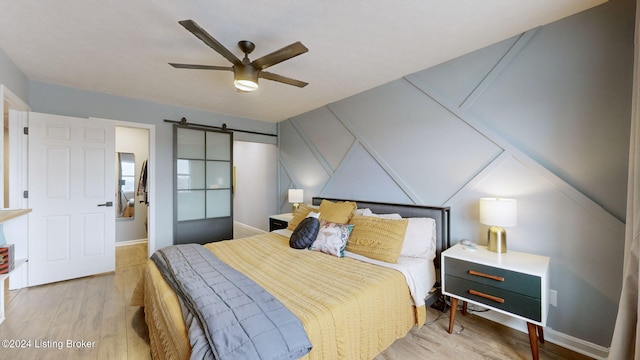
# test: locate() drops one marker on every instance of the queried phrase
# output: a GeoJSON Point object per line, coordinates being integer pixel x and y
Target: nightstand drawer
{"type": "Point", "coordinates": [511, 302]}
{"type": "Point", "coordinates": [275, 224]}
{"type": "Point", "coordinates": [513, 281]}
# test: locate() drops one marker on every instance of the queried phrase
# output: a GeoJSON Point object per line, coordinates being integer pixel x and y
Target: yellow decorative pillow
{"type": "Point", "coordinates": [301, 213]}
{"type": "Point", "coordinates": [337, 212]}
{"type": "Point", "coordinates": [377, 238]}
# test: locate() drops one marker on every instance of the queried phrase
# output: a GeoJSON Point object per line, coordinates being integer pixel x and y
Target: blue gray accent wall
{"type": "Point", "coordinates": [543, 117]}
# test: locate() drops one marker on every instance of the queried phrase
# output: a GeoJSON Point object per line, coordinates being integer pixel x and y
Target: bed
{"type": "Point", "coordinates": [351, 307]}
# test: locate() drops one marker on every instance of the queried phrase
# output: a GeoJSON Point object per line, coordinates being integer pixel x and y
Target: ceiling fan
{"type": "Point", "coordinates": [246, 73]}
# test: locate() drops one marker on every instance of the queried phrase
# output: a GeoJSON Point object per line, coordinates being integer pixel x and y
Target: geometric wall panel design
{"type": "Point", "coordinates": [361, 177]}
{"type": "Point", "coordinates": [327, 134]}
{"type": "Point", "coordinates": [529, 118]}
{"type": "Point", "coordinates": [457, 78]}
{"type": "Point", "coordinates": [284, 183]}
{"type": "Point", "coordinates": [301, 164]}
{"type": "Point", "coordinates": [542, 120]}
{"type": "Point", "coordinates": [433, 152]}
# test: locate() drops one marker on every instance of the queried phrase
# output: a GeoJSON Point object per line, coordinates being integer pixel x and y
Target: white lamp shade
{"type": "Point", "coordinates": [498, 211]}
{"type": "Point", "coordinates": [296, 195]}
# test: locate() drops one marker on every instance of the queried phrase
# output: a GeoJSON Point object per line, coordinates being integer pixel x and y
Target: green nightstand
{"type": "Point", "coordinates": [512, 283]}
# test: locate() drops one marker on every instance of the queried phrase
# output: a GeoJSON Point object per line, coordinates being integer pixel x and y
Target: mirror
{"type": "Point", "coordinates": [126, 185]}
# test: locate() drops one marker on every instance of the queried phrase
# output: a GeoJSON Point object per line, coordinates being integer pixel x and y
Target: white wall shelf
{"type": "Point", "coordinates": [6, 215]}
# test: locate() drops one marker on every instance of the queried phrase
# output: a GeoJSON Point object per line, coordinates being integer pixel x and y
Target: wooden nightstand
{"type": "Point", "coordinates": [280, 221]}
{"type": "Point", "coordinates": [512, 283]}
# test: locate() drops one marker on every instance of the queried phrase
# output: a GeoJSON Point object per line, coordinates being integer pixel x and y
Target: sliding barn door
{"type": "Point", "coordinates": [203, 210]}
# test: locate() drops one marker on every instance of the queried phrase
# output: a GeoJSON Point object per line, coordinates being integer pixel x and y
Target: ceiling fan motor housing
{"type": "Point", "coordinates": [246, 77]}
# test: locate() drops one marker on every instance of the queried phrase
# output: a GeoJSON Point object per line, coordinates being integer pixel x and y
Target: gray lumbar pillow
{"type": "Point", "coordinates": [305, 233]}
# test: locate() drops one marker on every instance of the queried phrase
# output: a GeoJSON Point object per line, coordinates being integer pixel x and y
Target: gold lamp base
{"type": "Point", "coordinates": [497, 239]}
{"type": "Point", "coordinates": [294, 207]}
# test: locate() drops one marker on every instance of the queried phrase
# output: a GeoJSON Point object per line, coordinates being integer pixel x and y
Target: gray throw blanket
{"type": "Point", "coordinates": [229, 316]}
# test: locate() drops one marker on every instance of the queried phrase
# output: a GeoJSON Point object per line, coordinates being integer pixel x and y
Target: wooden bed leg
{"type": "Point", "coordinates": [533, 340]}
{"type": "Point", "coordinates": [540, 334]}
{"type": "Point", "coordinates": [452, 313]}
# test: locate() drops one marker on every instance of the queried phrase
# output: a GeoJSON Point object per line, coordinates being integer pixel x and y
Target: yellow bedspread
{"type": "Point", "coordinates": [350, 309]}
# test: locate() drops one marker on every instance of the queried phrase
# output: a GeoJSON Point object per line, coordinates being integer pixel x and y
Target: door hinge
{"type": "Point", "coordinates": [25, 194]}
{"type": "Point", "coordinates": [25, 130]}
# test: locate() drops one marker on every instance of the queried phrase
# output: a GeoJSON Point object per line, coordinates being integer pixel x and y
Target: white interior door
{"type": "Point", "coordinates": [71, 172]}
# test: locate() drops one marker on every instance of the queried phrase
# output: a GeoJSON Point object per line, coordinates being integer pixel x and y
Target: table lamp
{"type": "Point", "coordinates": [498, 212]}
{"type": "Point", "coordinates": [296, 196]}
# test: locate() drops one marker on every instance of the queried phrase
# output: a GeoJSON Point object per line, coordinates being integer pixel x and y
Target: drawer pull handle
{"type": "Point", "coordinates": [486, 296]}
{"type": "Point", "coordinates": [492, 277]}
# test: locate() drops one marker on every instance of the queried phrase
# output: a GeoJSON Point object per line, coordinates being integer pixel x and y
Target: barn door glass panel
{"type": "Point", "coordinates": [218, 146]}
{"type": "Point", "coordinates": [218, 154]}
{"type": "Point", "coordinates": [219, 198]}
{"type": "Point", "coordinates": [190, 174]}
{"type": "Point", "coordinates": [190, 144]}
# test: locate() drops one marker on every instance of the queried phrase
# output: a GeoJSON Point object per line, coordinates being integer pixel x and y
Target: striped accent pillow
{"type": "Point", "coordinates": [377, 238]}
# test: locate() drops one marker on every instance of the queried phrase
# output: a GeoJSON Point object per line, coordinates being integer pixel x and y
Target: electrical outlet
{"type": "Point", "coordinates": [553, 298]}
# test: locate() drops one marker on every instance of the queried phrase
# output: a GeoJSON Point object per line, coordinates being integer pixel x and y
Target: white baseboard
{"type": "Point", "coordinates": [248, 227]}
{"type": "Point", "coordinates": [130, 242]}
{"type": "Point", "coordinates": [566, 341]}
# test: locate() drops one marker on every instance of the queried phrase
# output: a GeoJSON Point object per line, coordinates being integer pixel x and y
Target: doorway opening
{"type": "Point", "coordinates": [130, 183]}
{"type": "Point", "coordinates": [131, 194]}
{"type": "Point", "coordinates": [135, 225]}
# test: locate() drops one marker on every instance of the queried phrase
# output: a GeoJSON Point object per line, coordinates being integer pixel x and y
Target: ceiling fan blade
{"type": "Point", "coordinates": [201, 67]}
{"type": "Point", "coordinates": [279, 56]}
{"type": "Point", "coordinates": [199, 32]}
{"type": "Point", "coordinates": [282, 79]}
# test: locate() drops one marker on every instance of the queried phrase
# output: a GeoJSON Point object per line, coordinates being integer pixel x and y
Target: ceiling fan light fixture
{"type": "Point", "coordinates": [245, 78]}
{"type": "Point", "coordinates": [245, 85]}
{"type": "Point", "coordinates": [245, 71]}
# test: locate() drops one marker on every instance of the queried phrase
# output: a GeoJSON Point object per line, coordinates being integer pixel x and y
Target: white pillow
{"type": "Point", "coordinates": [388, 216]}
{"type": "Point", "coordinates": [420, 239]}
{"type": "Point", "coordinates": [368, 212]}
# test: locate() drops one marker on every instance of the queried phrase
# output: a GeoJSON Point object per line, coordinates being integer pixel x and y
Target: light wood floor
{"type": "Point", "coordinates": [96, 310]}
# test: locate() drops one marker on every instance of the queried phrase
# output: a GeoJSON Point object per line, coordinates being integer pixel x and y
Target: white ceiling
{"type": "Point", "coordinates": [122, 47]}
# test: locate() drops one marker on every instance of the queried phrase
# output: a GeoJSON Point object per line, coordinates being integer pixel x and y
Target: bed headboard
{"type": "Point", "coordinates": [439, 213]}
